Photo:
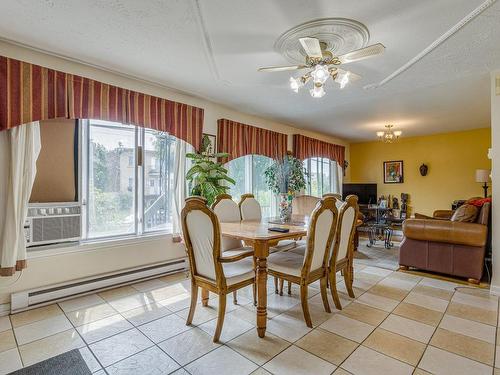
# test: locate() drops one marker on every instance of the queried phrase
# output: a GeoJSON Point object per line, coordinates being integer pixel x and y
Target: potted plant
{"type": "Point", "coordinates": [286, 177]}
{"type": "Point", "coordinates": [207, 176]}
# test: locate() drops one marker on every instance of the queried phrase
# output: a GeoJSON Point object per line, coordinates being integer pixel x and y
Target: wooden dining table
{"type": "Point", "coordinates": [258, 235]}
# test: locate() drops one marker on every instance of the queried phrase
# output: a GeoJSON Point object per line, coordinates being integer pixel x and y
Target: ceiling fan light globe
{"type": "Point", "coordinates": [318, 91]}
{"type": "Point", "coordinates": [295, 84]}
{"type": "Point", "coordinates": [320, 74]}
{"type": "Point", "coordinates": [343, 79]}
{"type": "Point", "coordinates": [380, 134]}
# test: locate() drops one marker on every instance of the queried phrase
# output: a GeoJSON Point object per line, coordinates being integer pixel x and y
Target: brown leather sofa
{"type": "Point", "coordinates": [450, 247]}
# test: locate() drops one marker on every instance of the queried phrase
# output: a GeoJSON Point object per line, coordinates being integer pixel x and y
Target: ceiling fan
{"type": "Point", "coordinates": [323, 64]}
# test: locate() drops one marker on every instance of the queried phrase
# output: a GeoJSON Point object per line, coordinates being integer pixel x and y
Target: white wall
{"type": "Point", "coordinates": [495, 182]}
{"type": "Point", "coordinates": [47, 270]}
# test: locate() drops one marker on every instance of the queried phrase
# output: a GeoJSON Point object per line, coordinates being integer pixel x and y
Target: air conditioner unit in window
{"type": "Point", "coordinates": [50, 223]}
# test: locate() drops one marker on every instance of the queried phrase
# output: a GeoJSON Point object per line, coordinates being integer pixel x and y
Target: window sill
{"type": "Point", "coordinates": [97, 244]}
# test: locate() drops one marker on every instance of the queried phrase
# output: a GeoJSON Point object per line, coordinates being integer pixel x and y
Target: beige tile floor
{"type": "Point", "coordinates": [398, 324]}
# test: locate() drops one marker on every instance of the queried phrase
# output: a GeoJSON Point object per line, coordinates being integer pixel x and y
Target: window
{"type": "Point", "coordinates": [248, 172]}
{"type": "Point", "coordinates": [126, 194]}
{"type": "Point", "coordinates": [323, 176]}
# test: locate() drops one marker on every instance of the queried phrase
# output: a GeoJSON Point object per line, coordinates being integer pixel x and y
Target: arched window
{"type": "Point", "coordinates": [323, 176]}
{"type": "Point", "coordinates": [248, 172]}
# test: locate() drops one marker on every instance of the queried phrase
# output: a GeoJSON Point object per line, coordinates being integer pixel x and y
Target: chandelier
{"type": "Point", "coordinates": [389, 135]}
{"type": "Point", "coordinates": [319, 75]}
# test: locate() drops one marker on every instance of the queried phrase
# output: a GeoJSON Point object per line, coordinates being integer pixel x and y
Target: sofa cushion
{"type": "Point", "coordinates": [466, 213]}
{"type": "Point", "coordinates": [455, 232]}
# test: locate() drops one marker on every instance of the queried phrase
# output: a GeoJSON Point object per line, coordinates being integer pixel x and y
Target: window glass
{"type": "Point", "coordinates": [248, 172]}
{"type": "Point", "coordinates": [111, 179]}
{"type": "Point", "coordinates": [123, 197]}
{"type": "Point", "coordinates": [259, 187]}
{"type": "Point", "coordinates": [159, 157]}
{"type": "Point", "coordinates": [322, 176]}
{"type": "Point", "coordinates": [238, 171]}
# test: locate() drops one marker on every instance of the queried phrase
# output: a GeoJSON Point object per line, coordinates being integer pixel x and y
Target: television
{"type": "Point", "coordinates": [367, 193]}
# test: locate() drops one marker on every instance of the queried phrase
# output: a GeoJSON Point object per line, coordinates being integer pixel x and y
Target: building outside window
{"type": "Point", "coordinates": [121, 197]}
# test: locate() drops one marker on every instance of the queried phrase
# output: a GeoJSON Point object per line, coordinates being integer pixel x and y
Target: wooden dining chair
{"type": "Point", "coordinates": [210, 269]}
{"type": "Point", "coordinates": [227, 211]}
{"type": "Point", "coordinates": [304, 204]}
{"type": "Point", "coordinates": [313, 265]}
{"type": "Point", "coordinates": [338, 197]}
{"type": "Point", "coordinates": [250, 210]}
{"type": "Point", "coordinates": [343, 249]}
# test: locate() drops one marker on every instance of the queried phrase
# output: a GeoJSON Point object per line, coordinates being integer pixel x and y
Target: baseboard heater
{"type": "Point", "coordinates": [33, 298]}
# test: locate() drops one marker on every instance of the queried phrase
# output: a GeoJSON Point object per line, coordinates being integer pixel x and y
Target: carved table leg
{"type": "Point", "coordinates": [261, 251]}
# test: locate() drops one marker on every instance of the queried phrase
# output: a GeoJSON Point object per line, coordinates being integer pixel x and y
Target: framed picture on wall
{"type": "Point", "coordinates": [393, 172]}
{"type": "Point", "coordinates": [208, 142]}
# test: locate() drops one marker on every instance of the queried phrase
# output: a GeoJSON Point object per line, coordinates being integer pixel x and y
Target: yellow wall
{"type": "Point", "coordinates": [452, 159]}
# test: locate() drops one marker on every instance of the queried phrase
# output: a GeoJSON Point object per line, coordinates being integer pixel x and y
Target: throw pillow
{"type": "Point", "coordinates": [465, 213]}
{"type": "Point", "coordinates": [479, 202]}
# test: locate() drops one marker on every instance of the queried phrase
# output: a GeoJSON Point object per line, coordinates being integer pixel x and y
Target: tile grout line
{"type": "Point", "coordinates": [234, 338]}
{"type": "Point", "coordinates": [389, 314]}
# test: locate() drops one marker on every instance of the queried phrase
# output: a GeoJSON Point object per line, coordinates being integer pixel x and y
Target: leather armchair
{"type": "Point", "coordinates": [440, 245]}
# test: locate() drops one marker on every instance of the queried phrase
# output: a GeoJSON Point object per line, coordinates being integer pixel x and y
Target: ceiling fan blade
{"type": "Point", "coordinates": [362, 53]}
{"type": "Point", "coordinates": [312, 47]}
{"type": "Point", "coordinates": [281, 68]}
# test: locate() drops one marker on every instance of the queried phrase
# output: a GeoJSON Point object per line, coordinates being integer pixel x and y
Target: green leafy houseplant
{"type": "Point", "coordinates": [286, 176]}
{"type": "Point", "coordinates": [207, 176]}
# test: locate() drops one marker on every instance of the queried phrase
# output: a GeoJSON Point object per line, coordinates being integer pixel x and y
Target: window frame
{"type": "Point", "coordinates": [332, 170]}
{"type": "Point", "coordinates": [139, 183]}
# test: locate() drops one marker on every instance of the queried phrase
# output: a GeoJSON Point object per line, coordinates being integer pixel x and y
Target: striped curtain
{"type": "Point", "coordinates": [180, 120]}
{"type": "Point", "coordinates": [29, 93]}
{"type": "Point", "coordinates": [32, 93]}
{"type": "Point", "coordinates": [96, 100]}
{"type": "Point", "coordinates": [239, 139]}
{"type": "Point", "coordinates": [305, 148]}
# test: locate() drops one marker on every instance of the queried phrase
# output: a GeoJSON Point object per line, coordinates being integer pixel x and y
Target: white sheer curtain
{"type": "Point", "coordinates": [181, 165]}
{"type": "Point", "coordinates": [19, 150]}
{"type": "Point", "coordinates": [340, 177]}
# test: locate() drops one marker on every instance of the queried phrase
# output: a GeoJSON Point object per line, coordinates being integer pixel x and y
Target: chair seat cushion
{"type": "Point", "coordinates": [238, 271]}
{"type": "Point", "coordinates": [300, 250]}
{"type": "Point", "coordinates": [286, 262]}
{"type": "Point", "coordinates": [284, 245]}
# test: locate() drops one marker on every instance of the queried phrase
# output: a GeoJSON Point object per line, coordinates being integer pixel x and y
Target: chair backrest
{"type": "Point", "coordinates": [320, 235]}
{"type": "Point", "coordinates": [304, 204]}
{"type": "Point", "coordinates": [346, 227]}
{"type": "Point", "coordinates": [250, 208]}
{"type": "Point", "coordinates": [201, 231]}
{"type": "Point", "coordinates": [339, 202]}
{"type": "Point", "coordinates": [227, 211]}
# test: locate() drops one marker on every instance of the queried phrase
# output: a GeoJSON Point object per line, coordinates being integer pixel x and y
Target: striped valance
{"type": "Point", "coordinates": [239, 139]}
{"type": "Point", "coordinates": [30, 92]}
{"type": "Point", "coordinates": [305, 147]}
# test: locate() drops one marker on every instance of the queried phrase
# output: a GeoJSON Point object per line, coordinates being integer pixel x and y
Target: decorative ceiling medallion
{"type": "Point", "coordinates": [341, 35]}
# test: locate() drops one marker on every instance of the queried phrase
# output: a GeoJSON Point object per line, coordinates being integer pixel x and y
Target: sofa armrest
{"type": "Point", "coordinates": [455, 232]}
{"type": "Point", "coordinates": [443, 214]}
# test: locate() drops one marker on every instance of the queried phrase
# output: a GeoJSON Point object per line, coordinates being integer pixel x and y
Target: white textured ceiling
{"type": "Point", "coordinates": [212, 48]}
